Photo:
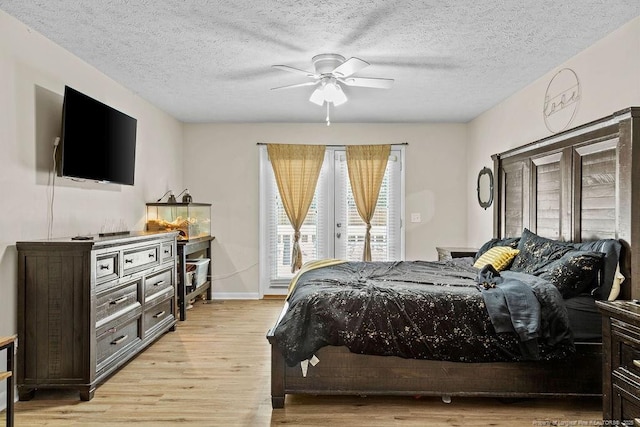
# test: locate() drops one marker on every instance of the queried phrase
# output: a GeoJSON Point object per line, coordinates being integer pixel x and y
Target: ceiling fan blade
{"type": "Point", "coordinates": [350, 66]}
{"type": "Point", "coordinates": [368, 82]}
{"type": "Point", "coordinates": [295, 85]}
{"type": "Point", "coordinates": [295, 70]}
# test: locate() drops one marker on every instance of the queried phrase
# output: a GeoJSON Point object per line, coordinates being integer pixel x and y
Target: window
{"type": "Point", "coordinates": [332, 228]}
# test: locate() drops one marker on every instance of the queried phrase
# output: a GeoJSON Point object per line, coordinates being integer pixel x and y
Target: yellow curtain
{"type": "Point", "coordinates": [366, 165]}
{"type": "Point", "coordinates": [296, 168]}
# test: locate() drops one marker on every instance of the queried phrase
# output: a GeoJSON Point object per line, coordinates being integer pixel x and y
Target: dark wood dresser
{"type": "Point", "coordinates": [621, 362]}
{"type": "Point", "coordinates": [86, 307]}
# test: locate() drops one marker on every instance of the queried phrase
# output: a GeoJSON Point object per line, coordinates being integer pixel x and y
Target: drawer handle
{"type": "Point", "coordinates": [167, 251]}
{"type": "Point", "coordinates": [111, 330]}
{"type": "Point", "coordinates": [637, 363]}
{"type": "Point", "coordinates": [161, 282]}
{"type": "Point", "coordinates": [128, 260]}
{"type": "Point", "coordinates": [119, 340]}
{"type": "Point", "coordinates": [162, 313]}
{"type": "Point", "coordinates": [152, 255]}
{"type": "Point", "coordinates": [104, 266]}
{"type": "Point", "coordinates": [119, 300]}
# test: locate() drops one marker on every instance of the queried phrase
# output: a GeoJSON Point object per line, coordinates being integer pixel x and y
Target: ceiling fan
{"type": "Point", "coordinates": [332, 71]}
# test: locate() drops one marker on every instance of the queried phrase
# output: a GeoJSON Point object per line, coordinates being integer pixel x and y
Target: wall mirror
{"type": "Point", "coordinates": [485, 187]}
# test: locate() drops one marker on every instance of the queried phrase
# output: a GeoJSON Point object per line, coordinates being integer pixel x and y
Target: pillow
{"type": "Point", "coordinates": [499, 257]}
{"type": "Point", "coordinates": [512, 242]}
{"type": "Point", "coordinates": [612, 249]}
{"type": "Point", "coordinates": [618, 278]}
{"type": "Point", "coordinates": [537, 251]}
{"type": "Point", "coordinates": [573, 273]}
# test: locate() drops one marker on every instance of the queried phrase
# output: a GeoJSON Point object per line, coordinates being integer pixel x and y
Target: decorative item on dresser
{"type": "Point", "coordinates": [446, 253]}
{"type": "Point", "coordinates": [86, 307]}
{"type": "Point", "coordinates": [192, 221]}
{"type": "Point", "coordinates": [621, 361]}
{"type": "Point", "coordinates": [8, 344]}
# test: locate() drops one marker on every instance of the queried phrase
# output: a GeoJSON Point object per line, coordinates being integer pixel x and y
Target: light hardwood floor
{"type": "Point", "coordinates": [214, 371]}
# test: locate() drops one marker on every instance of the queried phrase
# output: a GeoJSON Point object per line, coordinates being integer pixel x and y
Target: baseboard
{"type": "Point", "coordinates": [235, 295]}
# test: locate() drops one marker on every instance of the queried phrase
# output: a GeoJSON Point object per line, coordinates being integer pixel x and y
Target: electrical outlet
{"type": "Point", "coordinates": [415, 217]}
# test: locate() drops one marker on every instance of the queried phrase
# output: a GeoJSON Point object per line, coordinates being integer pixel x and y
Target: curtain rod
{"type": "Point", "coordinates": [338, 145]}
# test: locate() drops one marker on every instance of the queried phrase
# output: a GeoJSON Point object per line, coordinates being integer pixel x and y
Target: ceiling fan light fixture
{"type": "Point", "coordinates": [317, 97]}
{"type": "Point", "coordinates": [333, 93]}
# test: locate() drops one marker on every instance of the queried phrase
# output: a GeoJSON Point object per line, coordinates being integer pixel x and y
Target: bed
{"type": "Point", "coordinates": [571, 194]}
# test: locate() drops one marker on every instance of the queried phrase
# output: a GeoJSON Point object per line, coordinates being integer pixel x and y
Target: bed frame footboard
{"type": "Point", "coordinates": [340, 372]}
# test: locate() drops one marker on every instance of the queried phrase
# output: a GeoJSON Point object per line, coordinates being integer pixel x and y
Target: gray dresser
{"type": "Point", "coordinates": [86, 307]}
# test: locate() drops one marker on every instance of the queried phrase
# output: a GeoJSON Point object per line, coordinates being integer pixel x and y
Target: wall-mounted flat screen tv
{"type": "Point", "coordinates": [98, 142]}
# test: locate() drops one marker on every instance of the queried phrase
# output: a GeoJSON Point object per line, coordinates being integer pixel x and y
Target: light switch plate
{"type": "Point", "coordinates": [415, 217]}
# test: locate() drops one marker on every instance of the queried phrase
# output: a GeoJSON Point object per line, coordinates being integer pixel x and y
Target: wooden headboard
{"type": "Point", "coordinates": [579, 185]}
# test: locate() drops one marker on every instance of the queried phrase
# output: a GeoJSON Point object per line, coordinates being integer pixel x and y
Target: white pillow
{"type": "Point", "coordinates": [618, 278]}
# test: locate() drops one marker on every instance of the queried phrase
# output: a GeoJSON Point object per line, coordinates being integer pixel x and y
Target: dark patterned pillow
{"type": "Point", "coordinates": [573, 273]}
{"type": "Point", "coordinates": [611, 249]}
{"type": "Point", "coordinates": [536, 252]}
{"type": "Point", "coordinates": [512, 242]}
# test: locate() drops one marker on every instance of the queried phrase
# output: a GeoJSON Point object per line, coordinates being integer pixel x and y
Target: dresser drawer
{"type": "Point", "coordinates": [107, 267]}
{"type": "Point", "coordinates": [625, 355]}
{"type": "Point", "coordinates": [116, 302]}
{"type": "Point", "coordinates": [159, 284]}
{"type": "Point", "coordinates": [140, 258]}
{"type": "Point", "coordinates": [116, 340]}
{"type": "Point", "coordinates": [630, 358]}
{"type": "Point", "coordinates": [167, 250]}
{"type": "Point", "coordinates": [626, 402]}
{"type": "Point", "coordinates": [158, 314]}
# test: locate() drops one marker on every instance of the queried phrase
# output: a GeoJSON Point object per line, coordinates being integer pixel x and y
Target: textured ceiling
{"type": "Point", "coordinates": [210, 61]}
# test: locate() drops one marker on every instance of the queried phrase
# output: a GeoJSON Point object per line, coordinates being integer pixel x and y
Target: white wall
{"type": "Point", "coordinates": [609, 75]}
{"type": "Point", "coordinates": [33, 73]}
{"type": "Point", "coordinates": [222, 168]}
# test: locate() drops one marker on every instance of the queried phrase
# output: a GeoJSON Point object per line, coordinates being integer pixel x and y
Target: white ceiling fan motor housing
{"type": "Point", "coordinates": [325, 63]}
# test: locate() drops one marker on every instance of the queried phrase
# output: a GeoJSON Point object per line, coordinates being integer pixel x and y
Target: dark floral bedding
{"type": "Point", "coordinates": [414, 309]}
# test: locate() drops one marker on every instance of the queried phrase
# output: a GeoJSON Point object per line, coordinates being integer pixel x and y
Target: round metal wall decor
{"type": "Point", "coordinates": [561, 100]}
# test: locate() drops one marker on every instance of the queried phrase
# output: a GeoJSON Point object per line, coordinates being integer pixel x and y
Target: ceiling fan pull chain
{"type": "Point", "coordinates": [328, 122]}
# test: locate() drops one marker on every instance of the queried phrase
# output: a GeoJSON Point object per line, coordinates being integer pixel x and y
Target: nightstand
{"type": "Point", "coordinates": [621, 361]}
{"type": "Point", "coordinates": [447, 253]}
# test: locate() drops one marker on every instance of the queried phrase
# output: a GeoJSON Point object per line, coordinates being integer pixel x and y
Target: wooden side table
{"type": "Point", "coordinates": [446, 253]}
{"type": "Point", "coordinates": [189, 247]}
{"type": "Point", "coordinates": [8, 344]}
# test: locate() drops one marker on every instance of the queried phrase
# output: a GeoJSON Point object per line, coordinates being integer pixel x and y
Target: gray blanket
{"type": "Point", "coordinates": [512, 307]}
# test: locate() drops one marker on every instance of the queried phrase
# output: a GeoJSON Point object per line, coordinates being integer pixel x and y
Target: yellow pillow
{"type": "Point", "coordinates": [498, 256]}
